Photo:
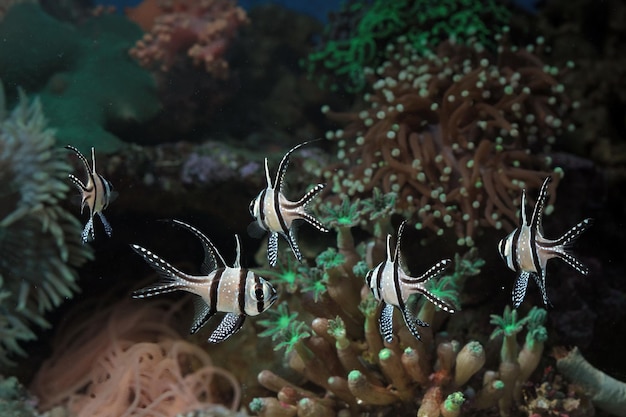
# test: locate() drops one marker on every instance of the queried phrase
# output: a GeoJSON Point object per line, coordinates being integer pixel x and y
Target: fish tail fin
{"type": "Point", "coordinates": [416, 284]}
{"type": "Point", "coordinates": [567, 240]}
{"type": "Point", "coordinates": [311, 194]}
{"type": "Point", "coordinates": [171, 278]}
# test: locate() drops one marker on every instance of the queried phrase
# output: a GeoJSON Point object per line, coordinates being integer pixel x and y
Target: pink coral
{"type": "Point", "coordinates": [199, 29]}
{"type": "Point", "coordinates": [127, 360]}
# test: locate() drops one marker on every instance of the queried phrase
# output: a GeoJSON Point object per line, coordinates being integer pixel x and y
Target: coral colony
{"type": "Point", "coordinates": [454, 128]}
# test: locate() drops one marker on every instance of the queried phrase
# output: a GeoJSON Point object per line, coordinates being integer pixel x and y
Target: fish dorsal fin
{"type": "Point", "coordinates": [237, 253]}
{"type": "Point", "coordinates": [535, 220]}
{"type": "Point", "coordinates": [212, 258]}
{"type": "Point", "coordinates": [396, 256]}
{"type": "Point", "coordinates": [93, 160]}
{"type": "Point", "coordinates": [268, 177]}
{"type": "Point", "coordinates": [389, 254]}
{"type": "Point", "coordinates": [523, 208]}
{"type": "Point", "coordinates": [282, 167]}
{"type": "Point", "coordinates": [80, 156]}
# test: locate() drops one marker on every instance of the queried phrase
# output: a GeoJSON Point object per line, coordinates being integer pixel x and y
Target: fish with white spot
{"type": "Point", "coordinates": [526, 251]}
{"type": "Point", "coordinates": [275, 214]}
{"type": "Point", "coordinates": [96, 194]}
{"type": "Point", "coordinates": [236, 291]}
{"type": "Point", "coordinates": [391, 285]}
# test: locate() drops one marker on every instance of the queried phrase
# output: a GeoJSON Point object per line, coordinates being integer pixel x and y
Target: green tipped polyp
{"type": "Point", "coordinates": [454, 401]}
{"type": "Point", "coordinates": [384, 354]}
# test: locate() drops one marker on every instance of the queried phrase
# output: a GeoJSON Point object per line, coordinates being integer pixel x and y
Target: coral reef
{"type": "Point", "coordinates": [40, 246]}
{"type": "Point", "coordinates": [456, 134]}
{"type": "Point", "coordinates": [14, 399]}
{"type": "Point", "coordinates": [605, 392]}
{"type": "Point", "coordinates": [90, 89]}
{"type": "Point", "coordinates": [356, 36]}
{"type": "Point", "coordinates": [199, 30]}
{"type": "Point", "coordinates": [127, 359]}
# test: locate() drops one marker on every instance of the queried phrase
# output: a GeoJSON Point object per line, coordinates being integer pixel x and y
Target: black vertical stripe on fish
{"type": "Point", "coordinates": [279, 213]}
{"type": "Point", "coordinates": [260, 302]}
{"type": "Point", "coordinates": [214, 289]}
{"type": "Point", "coordinates": [261, 208]}
{"type": "Point", "coordinates": [241, 296]}
{"type": "Point", "coordinates": [514, 248]}
{"type": "Point", "coordinates": [534, 250]}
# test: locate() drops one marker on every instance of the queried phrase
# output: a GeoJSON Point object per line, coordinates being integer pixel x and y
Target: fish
{"type": "Point", "coordinates": [236, 291]}
{"type": "Point", "coordinates": [392, 286]}
{"type": "Point", "coordinates": [97, 194]}
{"type": "Point", "coordinates": [275, 214]}
{"type": "Point", "coordinates": [526, 251]}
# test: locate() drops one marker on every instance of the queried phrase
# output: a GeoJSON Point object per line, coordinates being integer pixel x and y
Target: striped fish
{"type": "Point", "coordinates": [234, 290]}
{"type": "Point", "coordinates": [96, 194]}
{"type": "Point", "coordinates": [275, 214]}
{"type": "Point", "coordinates": [527, 252]}
{"type": "Point", "coordinates": [391, 285]}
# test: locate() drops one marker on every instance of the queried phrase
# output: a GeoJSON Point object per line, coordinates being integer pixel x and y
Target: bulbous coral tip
{"type": "Point", "coordinates": [469, 361]}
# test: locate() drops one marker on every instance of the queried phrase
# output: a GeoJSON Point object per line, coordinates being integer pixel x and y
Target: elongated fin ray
{"type": "Point", "coordinates": [519, 289]}
{"type": "Point", "coordinates": [230, 324]}
{"type": "Point", "coordinates": [314, 222]}
{"type": "Point", "coordinates": [310, 195]}
{"type": "Point", "coordinates": [282, 167]}
{"type": "Point", "coordinates": [78, 183]}
{"type": "Point", "coordinates": [171, 280]}
{"type": "Point", "coordinates": [412, 322]}
{"type": "Point", "coordinates": [385, 321]}
{"type": "Point", "coordinates": [107, 227]}
{"type": "Point", "coordinates": [574, 263]}
{"type": "Point", "coordinates": [572, 234]}
{"type": "Point", "coordinates": [535, 220]}
{"type": "Point", "coordinates": [433, 272]}
{"type": "Point", "coordinates": [541, 283]}
{"type": "Point", "coordinates": [211, 254]}
{"type": "Point", "coordinates": [81, 157]}
{"type": "Point", "coordinates": [237, 252]}
{"type": "Point", "coordinates": [396, 255]}
{"type": "Point", "coordinates": [293, 243]}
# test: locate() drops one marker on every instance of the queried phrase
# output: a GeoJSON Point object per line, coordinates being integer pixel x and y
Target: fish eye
{"type": "Point", "coordinates": [258, 293]}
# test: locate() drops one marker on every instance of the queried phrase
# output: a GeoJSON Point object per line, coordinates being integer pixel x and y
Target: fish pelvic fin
{"type": "Point", "coordinates": [272, 248]}
{"type": "Point", "coordinates": [519, 289]}
{"type": "Point", "coordinates": [230, 324]}
{"type": "Point", "coordinates": [88, 232]}
{"type": "Point", "coordinates": [385, 322]}
{"type": "Point", "coordinates": [170, 277]}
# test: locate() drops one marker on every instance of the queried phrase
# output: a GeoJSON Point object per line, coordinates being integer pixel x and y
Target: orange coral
{"type": "Point", "coordinates": [201, 29]}
{"type": "Point", "coordinates": [127, 360]}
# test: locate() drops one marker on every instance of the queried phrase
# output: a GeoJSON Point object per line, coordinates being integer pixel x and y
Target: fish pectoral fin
{"type": "Point", "coordinates": [412, 322]}
{"type": "Point", "coordinates": [519, 289]}
{"type": "Point", "coordinates": [385, 321]}
{"type": "Point", "coordinates": [255, 230]}
{"type": "Point", "coordinates": [107, 227]}
{"type": "Point", "coordinates": [272, 248]}
{"type": "Point", "coordinates": [230, 324]}
{"type": "Point", "coordinates": [203, 312]}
